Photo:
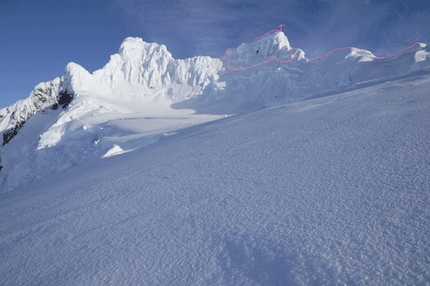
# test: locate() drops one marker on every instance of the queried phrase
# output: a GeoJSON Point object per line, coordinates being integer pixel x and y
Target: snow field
{"type": "Point", "coordinates": [329, 191]}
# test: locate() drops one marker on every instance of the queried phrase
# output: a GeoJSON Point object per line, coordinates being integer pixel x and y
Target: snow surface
{"type": "Point", "coordinates": [328, 191]}
{"type": "Point", "coordinates": [262, 167]}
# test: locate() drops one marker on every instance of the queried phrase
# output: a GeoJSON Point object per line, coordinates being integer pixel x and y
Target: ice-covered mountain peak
{"type": "Point", "coordinates": [268, 46]}
{"type": "Point", "coordinates": [137, 50]}
{"type": "Point", "coordinates": [137, 67]}
{"type": "Point", "coordinates": [280, 40]}
{"type": "Point", "coordinates": [76, 78]}
{"type": "Point", "coordinates": [149, 70]}
{"type": "Point", "coordinates": [271, 45]}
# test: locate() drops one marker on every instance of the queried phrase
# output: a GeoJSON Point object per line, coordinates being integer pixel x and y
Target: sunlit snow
{"type": "Point", "coordinates": [307, 173]}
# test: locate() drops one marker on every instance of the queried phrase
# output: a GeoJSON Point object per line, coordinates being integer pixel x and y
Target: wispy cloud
{"type": "Point", "coordinates": [207, 27]}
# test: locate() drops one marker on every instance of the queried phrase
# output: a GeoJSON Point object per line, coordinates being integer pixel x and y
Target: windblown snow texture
{"type": "Point", "coordinates": [327, 191]}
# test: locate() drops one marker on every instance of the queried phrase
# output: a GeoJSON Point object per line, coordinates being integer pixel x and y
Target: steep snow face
{"type": "Point", "coordinates": [275, 46]}
{"type": "Point", "coordinates": [149, 70]}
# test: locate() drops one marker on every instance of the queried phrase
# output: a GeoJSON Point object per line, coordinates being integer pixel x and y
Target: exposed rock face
{"type": "Point", "coordinates": [43, 96]}
{"type": "Point", "coordinates": [64, 98]}
{"type": "Point", "coordinates": [48, 95]}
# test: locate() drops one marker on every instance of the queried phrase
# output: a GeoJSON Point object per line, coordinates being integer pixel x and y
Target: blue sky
{"type": "Point", "coordinates": [39, 37]}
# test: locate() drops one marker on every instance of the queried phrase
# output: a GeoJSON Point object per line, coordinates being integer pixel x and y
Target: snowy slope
{"type": "Point", "coordinates": [328, 191]}
{"type": "Point", "coordinates": [143, 94]}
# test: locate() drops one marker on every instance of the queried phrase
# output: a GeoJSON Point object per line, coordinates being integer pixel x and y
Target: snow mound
{"type": "Point", "coordinates": [422, 54]}
{"type": "Point", "coordinates": [115, 150]}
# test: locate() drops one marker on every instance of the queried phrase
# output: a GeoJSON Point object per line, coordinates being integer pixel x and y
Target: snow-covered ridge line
{"type": "Point", "coordinates": [299, 54]}
{"type": "Point", "coordinates": [354, 49]}
{"type": "Point", "coordinates": [49, 95]}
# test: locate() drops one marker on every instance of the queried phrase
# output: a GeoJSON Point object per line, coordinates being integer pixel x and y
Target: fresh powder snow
{"type": "Point", "coordinates": [158, 171]}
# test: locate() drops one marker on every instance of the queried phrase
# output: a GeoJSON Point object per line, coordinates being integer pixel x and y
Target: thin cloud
{"type": "Point", "coordinates": [208, 27]}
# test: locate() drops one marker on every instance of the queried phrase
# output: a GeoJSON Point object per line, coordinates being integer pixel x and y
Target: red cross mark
{"type": "Point", "coordinates": [280, 27]}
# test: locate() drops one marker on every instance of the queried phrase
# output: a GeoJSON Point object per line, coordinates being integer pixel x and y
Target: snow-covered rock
{"type": "Point", "coordinates": [46, 95]}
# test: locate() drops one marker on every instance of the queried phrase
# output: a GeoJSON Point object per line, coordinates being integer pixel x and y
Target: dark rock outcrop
{"type": "Point", "coordinates": [45, 96]}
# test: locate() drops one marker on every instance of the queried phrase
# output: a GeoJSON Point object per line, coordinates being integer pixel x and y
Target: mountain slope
{"type": "Point", "coordinates": [143, 93]}
{"type": "Point", "coordinates": [331, 190]}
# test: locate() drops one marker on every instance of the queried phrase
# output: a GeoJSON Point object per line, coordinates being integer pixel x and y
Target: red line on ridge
{"type": "Point", "coordinates": [311, 59]}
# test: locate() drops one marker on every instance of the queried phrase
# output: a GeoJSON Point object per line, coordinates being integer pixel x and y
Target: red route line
{"type": "Point", "coordinates": [229, 67]}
